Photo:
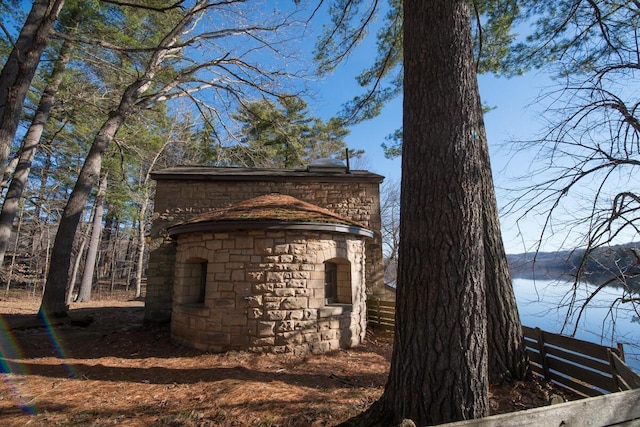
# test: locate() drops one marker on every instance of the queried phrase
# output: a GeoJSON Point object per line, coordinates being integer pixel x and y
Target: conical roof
{"type": "Point", "coordinates": [270, 211]}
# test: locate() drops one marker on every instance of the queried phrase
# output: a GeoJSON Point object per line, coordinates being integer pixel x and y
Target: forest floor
{"type": "Point", "coordinates": [107, 369]}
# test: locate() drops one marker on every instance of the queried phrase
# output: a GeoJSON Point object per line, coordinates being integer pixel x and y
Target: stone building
{"type": "Point", "coordinates": [264, 259]}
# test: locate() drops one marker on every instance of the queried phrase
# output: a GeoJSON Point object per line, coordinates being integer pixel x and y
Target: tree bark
{"type": "Point", "coordinates": [28, 151]}
{"type": "Point", "coordinates": [439, 367]}
{"type": "Point", "coordinates": [94, 242]}
{"type": "Point", "coordinates": [53, 301]}
{"type": "Point", "coordinates": [141, 246]}
{"type": "Point", "coordinates": [508, 359]}
{"type": "Point", "coordinates": [76, 267]}
{"type": "Point", "coordinates": [21, 65]}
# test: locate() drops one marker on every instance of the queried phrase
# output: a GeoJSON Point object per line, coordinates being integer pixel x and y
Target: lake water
{"type": "Point", "coordinates": [545, 304]}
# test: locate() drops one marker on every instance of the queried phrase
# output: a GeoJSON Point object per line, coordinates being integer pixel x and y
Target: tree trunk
{"type": "Point", "coordinates": [94, 242]}
{"type": "Point", "coordinates": [53, 302]}
{"type": "Point", "coordinates": [21, 65]}
{"type": "Point", "coordinates": [76, 267]}
{"type": "Point", "coordinates": [141, 245]}
{"type": "Point", "coordinates": [439, 368]}
{"type": "Point", "coordinates": [13, 257]}
{"type": "Point", "coordinates": [28, 151]}
{"type": "Point", "coordinates": [508, 360]}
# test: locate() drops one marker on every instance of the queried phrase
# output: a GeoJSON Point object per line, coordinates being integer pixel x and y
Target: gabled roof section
{"type": "Point", "coordinates": [277, 211]}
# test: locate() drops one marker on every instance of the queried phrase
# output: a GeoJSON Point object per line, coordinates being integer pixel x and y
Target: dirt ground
{"type": "Point", "coordinates": [107, 369]}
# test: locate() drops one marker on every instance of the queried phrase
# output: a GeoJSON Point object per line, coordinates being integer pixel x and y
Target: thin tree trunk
{"type": "Point", "coordinates": [28, 151]}
{"type": "Point", "coordinates": [21, 65]}
{"type": "Point", "coordinates": [76, 267]}
{"type": "Point", "coordinates": [141, 245]}
{"type": "Point", "coordinates": [114, 262]}
{"type": "Point", "coordinates": [13, 257]}
{"type": "Point", "coordinates": [94, 242]}
{"type": "Point", "coordinates": [8, 171]}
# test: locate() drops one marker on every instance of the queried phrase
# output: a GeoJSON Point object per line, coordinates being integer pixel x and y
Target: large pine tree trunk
{"type": "Point", "coordinates": [21, 65]}
{"type": "Point", "coordinates": [439, 368]}
{"type": "Point", "coordinates": [94, 242]}
{"type": "Point", "coordinates": [28, 151]}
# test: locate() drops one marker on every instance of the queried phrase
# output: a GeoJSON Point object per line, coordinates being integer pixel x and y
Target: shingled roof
{"type": "Point", "coordinates": [271, 211]}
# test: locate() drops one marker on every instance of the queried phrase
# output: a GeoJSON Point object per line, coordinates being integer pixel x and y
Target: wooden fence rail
{"type": "Point", "coordinates": [582, 367]}
{"type": "Point", "coordinates": [381, 314]}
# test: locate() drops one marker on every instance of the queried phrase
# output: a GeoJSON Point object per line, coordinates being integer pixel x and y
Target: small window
{"type": "Point", "coordinates": [330, 282]}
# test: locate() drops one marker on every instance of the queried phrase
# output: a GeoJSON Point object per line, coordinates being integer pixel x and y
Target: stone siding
{"type": "Point", "coordinates": [265, 292]}
{"type": "Point", "coordinates": [195, 191]}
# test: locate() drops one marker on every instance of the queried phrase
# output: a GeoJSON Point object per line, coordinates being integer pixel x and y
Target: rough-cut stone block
{"type": "Point", "coordinates": [297, 283]}
{"type": "Point", "coordinates": [275, 276]}
{"type": "Point", "coordinates": [219, 303]}
{"type": "Point", "coordinates": [286, 258]}
{"type": "Point", "coordinates": [238, 275]}
{"type": "Point", "coordinates": [265, 329]}
{"type": "Point", "coordinates": [320, 347]}
{"type": "Point", "coordinates": [285, 326]}
{"type": "Point", "coordinates": [276, 314]}
{"type": "Point", "coordinates": [234, 319]}
{"type": "Point", "coordinates": [213, 244]}
{"type": "Point", "coordinates": [293, 303]}
{"type": "Point", "coordinates": [243, 242]}
{"type": "Point", "coordinates": [316, 302]}
{"type": "Point", "coordinates": [263, 341]}
{"type": "Point", "coordinates": [221, 256]}
{"type": "Point", "coordinates": [255, 313]}
{"type": "Point", "coordinates": [328, 335]}
{"type": "Point", "coordinates": [281, 249]}
{"type": "Point", "coordinates": [296, 315]}
{"type": "Point", "coordinates": [255, 276]}
{"type": "Point", "coordinates": [284, 292]}
{"type": "Point", "coordinates": [239, 258]}
{"type": "Point", "coordinates": [217, 338]}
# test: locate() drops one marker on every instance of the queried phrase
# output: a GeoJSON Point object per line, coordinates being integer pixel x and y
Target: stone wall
{"type": "Point", "coordinates": [182, 193]}
{"type": "Point", "coordinates": [265, 291]}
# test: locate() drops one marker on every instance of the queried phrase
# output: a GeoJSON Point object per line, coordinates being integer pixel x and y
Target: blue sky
{"type": "Point", "coordinates": [513, 118]}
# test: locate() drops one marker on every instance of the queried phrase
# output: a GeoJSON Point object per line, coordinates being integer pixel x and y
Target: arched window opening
{"type": "Point", "coordinates": [337, 281]}
{"type": "Point", "coordinates": [330, 282]}
{"type": "Point", "coordinates": [194, 282]}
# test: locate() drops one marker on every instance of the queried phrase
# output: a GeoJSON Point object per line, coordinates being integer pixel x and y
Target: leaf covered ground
{"type": "Point", "coordinates": [105, 368]}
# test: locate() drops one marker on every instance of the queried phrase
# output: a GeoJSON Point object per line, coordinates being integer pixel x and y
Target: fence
{"type": "Point", "coordinates": [381, 314]}
{"type": "Point", "coordinates": [584, 368]}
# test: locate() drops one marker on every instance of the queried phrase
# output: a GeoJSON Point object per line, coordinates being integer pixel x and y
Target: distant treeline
{"type": "Point", "coordinates": [619, 265]}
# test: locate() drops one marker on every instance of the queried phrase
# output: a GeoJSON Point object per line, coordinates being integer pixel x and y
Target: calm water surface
{"type": "Point", "coordinates": [546, 304]}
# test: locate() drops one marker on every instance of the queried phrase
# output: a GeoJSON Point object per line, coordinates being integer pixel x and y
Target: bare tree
{"type": "Point", "coordinates": [225, 67]}
{"type": "Point", "coordinates": [583, 178]}
{"type": "Point", "coordinates": [390, 214]}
